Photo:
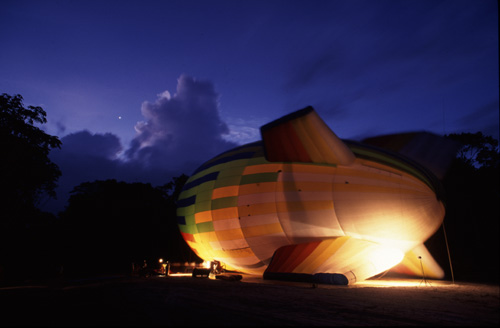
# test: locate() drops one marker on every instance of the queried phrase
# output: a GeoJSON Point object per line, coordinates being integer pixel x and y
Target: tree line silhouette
{"type": "Point", "coordinates": [107, 225]}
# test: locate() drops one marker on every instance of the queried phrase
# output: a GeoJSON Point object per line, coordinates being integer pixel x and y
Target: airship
{"type": "Point", "coordinates": [304, 205]}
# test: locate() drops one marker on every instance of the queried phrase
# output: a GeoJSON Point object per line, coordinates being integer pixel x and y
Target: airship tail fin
{"type": "Point", "coordinates": [419, 262]}
{"type": "Point", "coordinates": [303, 136]}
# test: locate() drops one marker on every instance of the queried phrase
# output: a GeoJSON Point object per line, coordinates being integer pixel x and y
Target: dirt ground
{"type": "Point", "coordinates": [187, 301]}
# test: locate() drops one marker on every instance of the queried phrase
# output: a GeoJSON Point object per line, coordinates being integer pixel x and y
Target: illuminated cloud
{"type": "Point", "coordinates": [243, 131]}
{"type": "Point", "coordinates": [178, 134]}
{"type": "Point", "coordinates": [180, 130]}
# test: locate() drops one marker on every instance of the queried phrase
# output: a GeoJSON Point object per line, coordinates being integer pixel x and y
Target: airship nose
{"type": "Point", "coordinates": [386, 206]}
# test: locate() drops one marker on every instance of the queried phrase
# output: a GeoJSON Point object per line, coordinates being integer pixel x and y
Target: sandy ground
{"type": "Point", "coordinates": [187, 301]}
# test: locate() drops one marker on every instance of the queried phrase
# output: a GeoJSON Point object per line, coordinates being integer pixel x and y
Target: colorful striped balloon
{"type": "Point", "coordinates": [303, 202]}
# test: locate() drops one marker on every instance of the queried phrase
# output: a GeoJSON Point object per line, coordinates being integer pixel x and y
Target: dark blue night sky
{"type": "Point", "coordinates": [146, 90]}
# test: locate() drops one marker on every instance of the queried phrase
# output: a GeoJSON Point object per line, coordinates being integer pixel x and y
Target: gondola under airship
{"type": "Point", "coordinates": [304, 205]}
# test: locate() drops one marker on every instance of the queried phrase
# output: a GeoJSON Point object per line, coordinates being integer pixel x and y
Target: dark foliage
{"type": "Point", "coordinates": [108, 225]}
{"type": "Point", "coordinates": [472, 212]}
{"type": "Point", "coordinates": [27, 175]}
{"type": "Point", "coordinates": [477, 150]}
{"type": "Point", "coordinates": [26, 171]}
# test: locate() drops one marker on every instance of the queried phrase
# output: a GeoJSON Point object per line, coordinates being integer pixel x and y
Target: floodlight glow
{"type": "Point", "coordinates": [384, 258]}
{"type": "Point", "coordinates": [180, 274]}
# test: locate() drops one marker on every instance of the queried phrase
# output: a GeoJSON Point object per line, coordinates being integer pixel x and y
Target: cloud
{"type": "Point", "coordinates": [83, 157]}
{"type": "Point", "coordinates": [98, 145]}
{"type": "Point", "coordinates": [243, 131]}
{"type": "Point", "coordinates": [60, 128]}
{"type": "Point", "coordinates": [180, 131]}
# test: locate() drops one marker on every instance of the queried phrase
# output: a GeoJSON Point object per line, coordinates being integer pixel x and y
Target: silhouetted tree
{"type": "Point", "coordinates": [477, 149]}
{"type": "Point", "coordinates": [110, 224]}
{"type": "Point", "coordinates": [26, 175]}
{"type": "Point", "coordinates": [472, 208]}
{"type": "Point", "coordinates": [174, 187]}
{"type": "Point", "coordinates": [26, 170]}
{"type": "Point", "coordinates": [177, 249]}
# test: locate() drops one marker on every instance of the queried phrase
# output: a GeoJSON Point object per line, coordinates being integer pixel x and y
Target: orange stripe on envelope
{"type": "Point", "coordinates": [228, 191]}
{"type": "Point", "coordinates": [225, 213]}
{"type": "Point", "coordinates": [260, 230]}
{"type": "Point", "coordinates": [204, 216]}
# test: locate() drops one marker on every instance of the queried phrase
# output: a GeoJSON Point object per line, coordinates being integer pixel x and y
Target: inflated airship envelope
{"type": "Point", "coordinates": [304, 205]}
